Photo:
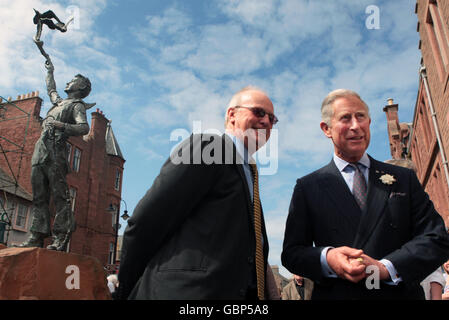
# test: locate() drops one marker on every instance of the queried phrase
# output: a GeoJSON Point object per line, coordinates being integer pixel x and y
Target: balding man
{"type": "Point", "coordinates": [199, 233]}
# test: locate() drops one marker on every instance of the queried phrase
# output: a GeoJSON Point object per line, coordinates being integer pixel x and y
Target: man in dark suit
{"type": "Point", "coordinates": [359, 218]}
{"type": "Point", "coordinates": [197, 234]}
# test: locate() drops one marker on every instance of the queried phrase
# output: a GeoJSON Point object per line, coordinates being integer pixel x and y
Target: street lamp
{"type": "Point", "coordinates": [125, 215]}
{"type": "Point", "coordinates": [117, 226]}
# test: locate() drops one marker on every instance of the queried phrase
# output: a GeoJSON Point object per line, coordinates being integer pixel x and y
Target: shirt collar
{"type": "Point", "coordinates": [342, 164]}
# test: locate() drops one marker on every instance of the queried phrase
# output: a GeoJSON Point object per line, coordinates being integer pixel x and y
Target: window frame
{"type": "Point", "coordinates": [16, 215]}
{"type": "Point", "coordinates": [76, 162]}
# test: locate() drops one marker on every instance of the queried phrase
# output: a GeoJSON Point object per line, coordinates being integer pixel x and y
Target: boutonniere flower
{"type": "Point", "coordinates": [387, 179]}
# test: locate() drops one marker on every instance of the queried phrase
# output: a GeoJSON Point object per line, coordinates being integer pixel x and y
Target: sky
{"type": "Point", "coordinates": [159, 68]}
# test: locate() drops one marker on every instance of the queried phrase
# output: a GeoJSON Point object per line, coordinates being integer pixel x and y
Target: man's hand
{"type": "Point", "coordinates": [346, 263]}
{"type": "Point", "coordinates": [383, 271]}
{"type": "Point", "coordinates": [49, 65]}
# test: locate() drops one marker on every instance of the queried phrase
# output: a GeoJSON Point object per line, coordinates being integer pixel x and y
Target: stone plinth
{"type": "Point", "coordinates": [41, 274]}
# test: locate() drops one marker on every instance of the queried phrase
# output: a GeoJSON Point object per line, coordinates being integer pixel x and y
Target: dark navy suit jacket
{"type": "Point", "coordinates": [192, 235]}
{"type": "Point", "coordinates": [399, 224]}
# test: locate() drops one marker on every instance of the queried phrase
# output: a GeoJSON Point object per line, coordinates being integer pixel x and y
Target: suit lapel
{"type": "Point", "coordinates": [378, 194]}
{"type": "Point", "coordinates": [238, 160]}
{"type": "Point", "coordinates": [337, 190]}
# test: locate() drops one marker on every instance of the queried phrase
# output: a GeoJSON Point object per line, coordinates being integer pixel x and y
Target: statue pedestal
{"type": "Point", "coordinates": [41, 274]}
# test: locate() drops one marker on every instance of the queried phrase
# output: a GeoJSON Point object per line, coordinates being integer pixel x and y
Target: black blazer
{"type": "Point", "coordinates": [192, 235]}
{"type": "Point", "coordinates": [399, 224]}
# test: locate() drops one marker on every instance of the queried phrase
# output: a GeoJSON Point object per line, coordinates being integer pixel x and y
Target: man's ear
{"type": "Point", "coordinates": [230, 114]}
{"type": "Point", "coordinates": [326, 129]}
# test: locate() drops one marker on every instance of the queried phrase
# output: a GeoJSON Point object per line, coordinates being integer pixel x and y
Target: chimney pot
{"type": "Point", "coordinates": [390, 101]}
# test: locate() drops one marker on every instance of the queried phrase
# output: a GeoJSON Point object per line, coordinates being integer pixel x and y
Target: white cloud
{"type": "Point", "coordinates": [201, 68]}
{"type": "Point", "coordinates": [219, 45]}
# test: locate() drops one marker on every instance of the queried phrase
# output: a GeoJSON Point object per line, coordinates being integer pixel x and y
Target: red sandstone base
{"type": "Point", "coordinates": [41, 274]}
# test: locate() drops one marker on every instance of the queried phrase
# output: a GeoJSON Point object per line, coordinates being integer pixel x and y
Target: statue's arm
{"type": "Point", "coordinates": [51, 84]}
{"type": "Point", "coordinates": [80, 127]}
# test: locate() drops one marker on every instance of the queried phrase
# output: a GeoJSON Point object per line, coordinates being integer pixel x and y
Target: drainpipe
{"type": "Point", "coordinates": [422, 72]}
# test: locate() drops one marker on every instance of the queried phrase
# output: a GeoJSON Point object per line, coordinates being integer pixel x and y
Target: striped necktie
{"type": "Point", "coordinates": [260, 269]}
{"type": "Point", "coordinates": [359, 188]}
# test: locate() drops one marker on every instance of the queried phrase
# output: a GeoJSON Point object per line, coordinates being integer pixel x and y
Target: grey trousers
{"type": "Point", "coordinates": [51, 180]}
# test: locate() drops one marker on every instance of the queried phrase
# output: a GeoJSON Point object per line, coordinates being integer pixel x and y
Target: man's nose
{"type": "Point", "coordinates": [355, 124]}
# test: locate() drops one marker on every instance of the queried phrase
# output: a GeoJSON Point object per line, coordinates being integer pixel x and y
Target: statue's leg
{"type": "Point", "coordinates": [49, 23]}
{"type": "Point", "coordinates": [64, 221]}
{"type": "Point", "coordinates": [41, 199]}
{"type": "Point", "coordinates": [40, 226]}
{"type": "Point", "coordinates": [50, 15]}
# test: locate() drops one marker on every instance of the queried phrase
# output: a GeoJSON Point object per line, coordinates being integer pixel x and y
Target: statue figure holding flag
{"type": "Point", "coordinates": [67, 117]}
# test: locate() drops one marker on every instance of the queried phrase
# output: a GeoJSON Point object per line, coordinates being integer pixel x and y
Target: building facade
{"type": "Point", "coordinates": [426, 140]}
{"type": "Point", "coordinates": [95, 179]}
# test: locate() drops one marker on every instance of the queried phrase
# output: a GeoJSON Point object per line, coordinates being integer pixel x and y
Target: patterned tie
{"type": "Point", "coordinates": [258, 230]}
{"type": "Point", "coordinates": [359, 186]}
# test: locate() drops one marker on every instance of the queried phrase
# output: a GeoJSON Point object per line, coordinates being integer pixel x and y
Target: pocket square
{"type": "Point", "coordinates": [397, 194]}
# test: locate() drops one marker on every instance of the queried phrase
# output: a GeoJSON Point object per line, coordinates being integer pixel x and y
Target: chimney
{"type": "Point", "coordinates": [394, 129]}
{"type": "Point", "coordinates": [98, 125]}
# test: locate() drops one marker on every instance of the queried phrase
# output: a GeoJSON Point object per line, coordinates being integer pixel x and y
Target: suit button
{"type": "Point", "coordinates": [250, 260]}
{"type": "Point", "coordinates": [242, 292]}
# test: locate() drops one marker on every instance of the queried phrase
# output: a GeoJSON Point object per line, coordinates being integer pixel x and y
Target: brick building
{"type": "Point", "coordinates": [426, 140]}
{"type": "Point", "coordinates": [95, 180]}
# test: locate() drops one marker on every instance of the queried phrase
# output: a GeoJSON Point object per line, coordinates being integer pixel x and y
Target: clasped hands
{"type": "Point", "coordinates": [350, 264]}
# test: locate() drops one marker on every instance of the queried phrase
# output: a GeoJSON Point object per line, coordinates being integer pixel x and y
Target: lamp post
{"type": "Point", "coordinates": [117, 225]}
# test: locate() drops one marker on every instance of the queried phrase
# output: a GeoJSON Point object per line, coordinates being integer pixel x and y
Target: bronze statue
{"type": "Point", "coordinates": [67, 117]}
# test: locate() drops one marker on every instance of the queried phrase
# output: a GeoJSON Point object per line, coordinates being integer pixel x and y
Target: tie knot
{"type": "Point", "coordinates": [355, 165]}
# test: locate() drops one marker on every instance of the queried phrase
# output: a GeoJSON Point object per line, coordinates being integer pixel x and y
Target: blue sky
{"type": "Point", "coordinates": [158, 66]}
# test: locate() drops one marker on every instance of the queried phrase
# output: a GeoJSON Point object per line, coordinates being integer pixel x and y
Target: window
{"type": "Point", "coordinates": [72, 198]}
{"type": "Point", "coordinates": [117, 179]}
{"type": "Point", "coordinates": [417, 155]}
{"type": "Point", "coordinates": [438, 33]}
{"type": "Point", "coordinates": [76, 160]}
{"type": "Point", "coordinates": [21, 216]}
{"type": "Point", "coordinates": [114, 215]}
{"type": "Point", "coordinates": [69, 152]}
